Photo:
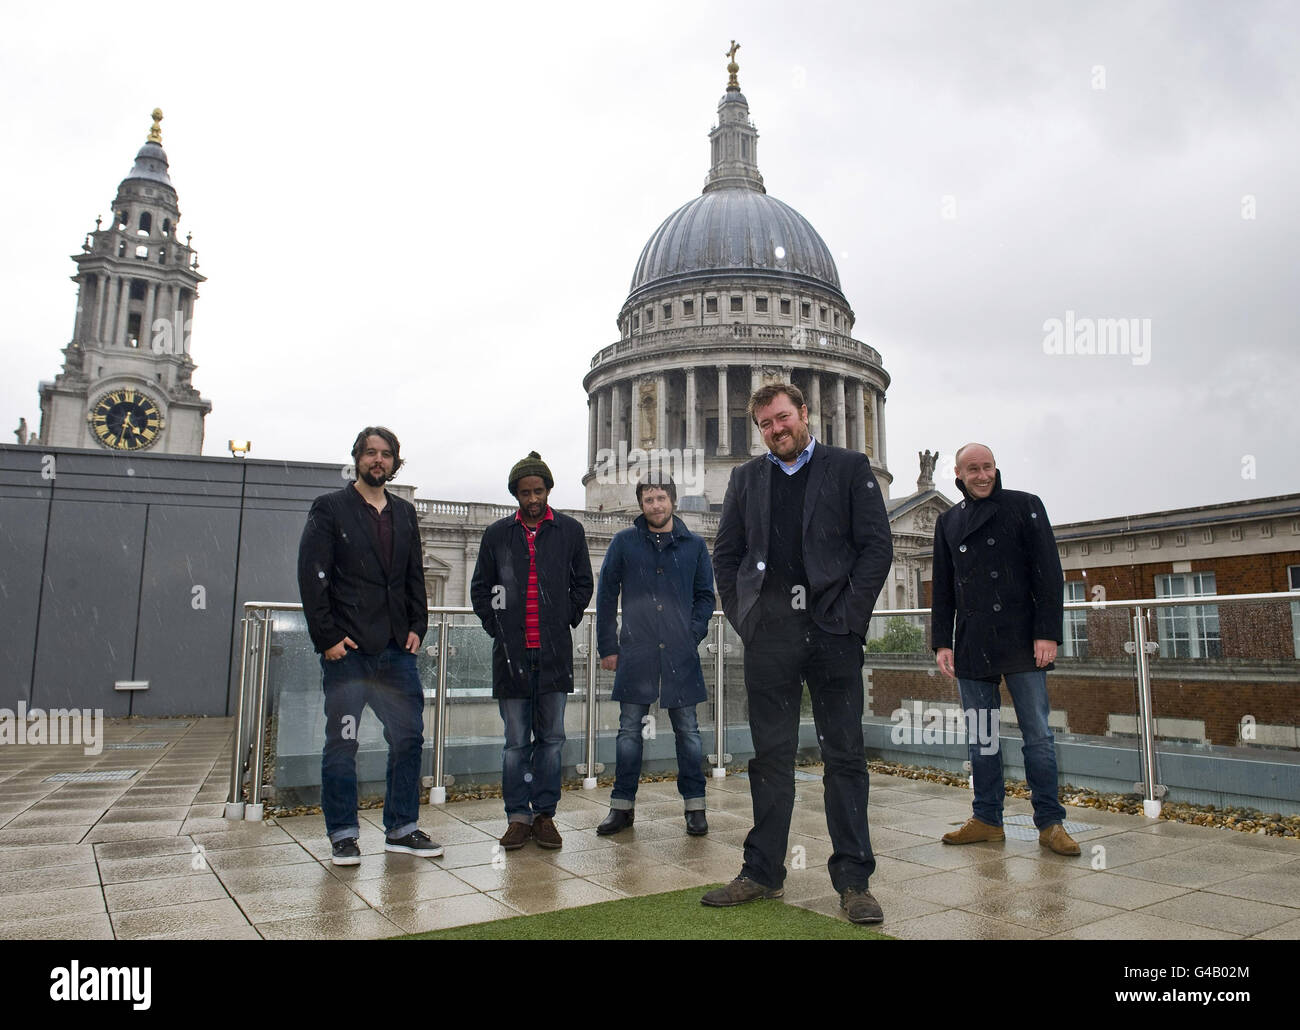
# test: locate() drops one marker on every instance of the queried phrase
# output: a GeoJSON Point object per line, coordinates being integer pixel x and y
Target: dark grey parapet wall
{"type": "Point", "coordinates": [100, 558]}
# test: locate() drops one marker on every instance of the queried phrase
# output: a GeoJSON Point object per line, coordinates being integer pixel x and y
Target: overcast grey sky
{"type": "Point", "coordinates": [429, 216]}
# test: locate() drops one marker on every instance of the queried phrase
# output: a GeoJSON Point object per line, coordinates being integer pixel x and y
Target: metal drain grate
{"type": "Point", "coordinates": [1021, 827]}
{"type": "Point", "coordinates": [106, 776]}
{"type": "Point", "coordinates": [132, 745]}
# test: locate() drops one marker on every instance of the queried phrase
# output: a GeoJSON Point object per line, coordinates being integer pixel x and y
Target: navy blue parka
{"type": "Point", "coordinates": [667, 602]}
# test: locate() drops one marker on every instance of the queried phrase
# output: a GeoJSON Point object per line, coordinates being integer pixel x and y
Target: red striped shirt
{"type": "Point", "coordinates": [532, 607]}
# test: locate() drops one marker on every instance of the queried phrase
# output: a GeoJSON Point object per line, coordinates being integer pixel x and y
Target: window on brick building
{"type": "Point", "coordinates": [1191, 631]}
{"type": "Point", "coordinates": [1076, 622]}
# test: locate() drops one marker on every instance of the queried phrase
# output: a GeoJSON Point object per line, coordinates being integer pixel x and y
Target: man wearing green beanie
{"type": "Point", "coordinates": [530, 587]}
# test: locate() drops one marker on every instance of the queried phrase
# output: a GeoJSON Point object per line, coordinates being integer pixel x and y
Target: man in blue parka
{"type": "Point", "coordinates": [663, 571]}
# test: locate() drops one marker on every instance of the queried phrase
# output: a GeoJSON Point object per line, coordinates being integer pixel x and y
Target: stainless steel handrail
{"type": "Point", "coordinates": [249, 743]}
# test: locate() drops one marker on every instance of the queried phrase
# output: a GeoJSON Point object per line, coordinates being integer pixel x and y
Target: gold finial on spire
{"type": "Point", "coordinates": [155, 134]}
{"type": "Point", "coordinates": [733, 84]}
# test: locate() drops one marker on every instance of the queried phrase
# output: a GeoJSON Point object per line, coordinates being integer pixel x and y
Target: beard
{"type": "Point", "coordinates": [375, 479]}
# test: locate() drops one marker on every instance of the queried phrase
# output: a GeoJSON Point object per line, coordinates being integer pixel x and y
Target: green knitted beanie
{"type": "Point", "coordinates": [530, 466]}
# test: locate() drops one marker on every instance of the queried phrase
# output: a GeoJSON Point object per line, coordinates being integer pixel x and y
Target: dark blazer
{"type": "Point", "coordinates": [847, 545]}
{"type": "Point", "coordinates": [997, 574]}
{"type": "Point", "coordinates": [667, 603]}
{"type": "Point", "coordinates": [498, 592]}
{"type": "Point", "coordinates": [345, 591]}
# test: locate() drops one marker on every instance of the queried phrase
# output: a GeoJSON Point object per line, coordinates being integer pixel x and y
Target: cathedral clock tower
{"type": "Point", "coordinates": [126, 379]}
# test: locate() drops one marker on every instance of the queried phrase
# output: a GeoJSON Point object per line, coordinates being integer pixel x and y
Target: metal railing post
{"type": "Point", "coordinates": [438, 793]}
{"type": "Point", "coordinates": [239, 753]}
{"type": "Point", "coordinates": [1146, 721]}
{"type": "Point", "coordinates": [589, 777]}
{"type": "Point", "coordinates": [719, 701]}
{"type": "Point", "coordinates": [253, 811]}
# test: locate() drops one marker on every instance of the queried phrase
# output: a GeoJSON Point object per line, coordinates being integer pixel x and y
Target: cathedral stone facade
{"type": "Point", "coordinates": [734, 290]}
{"type": "Point", "coordinates": [126, 379]}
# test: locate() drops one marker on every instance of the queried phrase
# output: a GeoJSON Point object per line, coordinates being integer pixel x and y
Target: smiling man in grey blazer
{"type": "Point", "coordinates": [802, 551]}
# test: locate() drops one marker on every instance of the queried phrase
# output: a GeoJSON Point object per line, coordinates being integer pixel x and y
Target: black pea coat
{"type": "Point", "coordinates": [847, 543]}
{"type": "Point", "coordinates": [499, 593]}
{"type": "Point", "coordinates": [345, 590]}
{"type": "Point", "coordinates": [997, 576]}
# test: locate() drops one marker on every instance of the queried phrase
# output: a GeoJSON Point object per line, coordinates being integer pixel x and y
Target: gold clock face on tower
{"type": "Point", "coordinates": [126, 420]}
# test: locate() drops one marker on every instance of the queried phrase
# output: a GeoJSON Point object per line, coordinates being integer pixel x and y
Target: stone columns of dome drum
{"type": "Point", "coordinates": [662, 436]}
{"type": "Point", "coordinates": [620, 426]}
{"type": "Point", "coordinates": [840, 433]}
{"type": "Point", "coordinates": [755, 438]}
{"type": "Point", "coordinates": [692, 414]}
{"type": "Point", "coordinates": [724, 419]}
{"type": "Point", "coordinates": [634, 416]}
{"type": "Point", "coordinates": [815, 406]}
{"type": "Point", "coordinates": [880, 428]}
{"type": "Point", "coordinates": [596, 420]}
{"type": "Point", "coordinates": [123, 302]}
{"type": "Point", "coordinates": [859, 417]}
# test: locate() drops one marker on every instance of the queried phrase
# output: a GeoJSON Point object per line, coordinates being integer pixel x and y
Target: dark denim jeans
{"type": "Point", "coordinates": [1028, 692]}
{"type": "Point", "coordinates": [532, 758]}
{"type": "Point", "coordinates": [389, 683]}
{"type": "Point", "coordinates": [690, 755]}
{"type": "Point", "coordinates": [775, 666]}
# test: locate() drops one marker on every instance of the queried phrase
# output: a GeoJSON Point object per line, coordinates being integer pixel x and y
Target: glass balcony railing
{"type": "Point", "coordinates": [1208, 687]}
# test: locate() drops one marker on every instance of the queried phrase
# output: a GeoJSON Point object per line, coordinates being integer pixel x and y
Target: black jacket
{"type": "Point", "coordinates": [998, 575]}
{"type": "Point", "coordinates": [847, 544]}
{"type": "Point", "coordinates": [498, 592]}
{"type": "Point", "coordinates": [344, 589]}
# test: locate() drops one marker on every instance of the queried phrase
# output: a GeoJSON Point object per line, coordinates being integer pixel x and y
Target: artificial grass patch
{"type": "Point", "coordinates": [675, 916]}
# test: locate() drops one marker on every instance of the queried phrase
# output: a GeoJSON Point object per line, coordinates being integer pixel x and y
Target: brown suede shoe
{"type": "Point", "coordinates": [972, 831]}
{"type": "Point", "coordinates": [860, 906]}
{"type": "Point", "coordinates": [1055, 838]}
{"type": "Point", "coordinates": [516, 836]}
{"type": "Point", "coordinates": [739, 891]}
{"type": "Point", "coordinates": [545, 833]}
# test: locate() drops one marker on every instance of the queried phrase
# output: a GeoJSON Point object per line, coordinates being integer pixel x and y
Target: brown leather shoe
{"type": "Point", "coordinates": [739, 891]}
{"type": "Point", "coordinates": [1055, 838]}
{"type": "Point", "coordinates": [972, 831]}
{"type": "Point", "coordinates": [516, 836]}
{"type": "Point", "coordinates": [860, 906]}
{"type": "Point", "coordinates": [545, 833]}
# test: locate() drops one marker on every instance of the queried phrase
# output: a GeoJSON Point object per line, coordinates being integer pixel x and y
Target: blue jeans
{"type": "Point", "coordinates": [1028, 692]}
{"type": "Point", "coordinates": [390, 684]}
{"type": "Point", "coordinates": [531, 759]}
{"type": "Point", "coordinates": [690, 755]}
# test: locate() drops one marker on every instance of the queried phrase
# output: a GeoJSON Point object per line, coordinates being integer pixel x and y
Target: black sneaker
{"type": "Point", "coordinates": [416, 842]}
{"type": "Point", "coordinates": [346, 852]}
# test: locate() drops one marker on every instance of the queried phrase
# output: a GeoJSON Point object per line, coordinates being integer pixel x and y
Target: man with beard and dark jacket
{"type": "Point", "coordinates": [361, 577]}
{"type": "Point", "coordinates": [662, 571]}
{"type": "Point", "coordinates": [997, 576]}
{"type": "Point", "coordinates": [802, 551]}
{"type": "Point", "coordinates": [530, 587]}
